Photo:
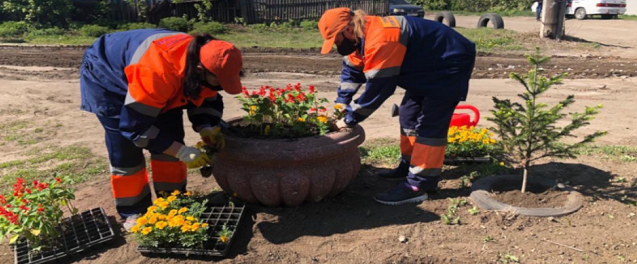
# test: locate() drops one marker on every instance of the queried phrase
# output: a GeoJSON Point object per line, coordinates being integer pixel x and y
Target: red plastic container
{"type": "Point", "coordinates": [464, 119]}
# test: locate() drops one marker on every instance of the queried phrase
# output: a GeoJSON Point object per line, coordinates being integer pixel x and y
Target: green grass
{"type": "Point", "coordinates": [489, 39]}
{"type": "Point", "coordinates": [628, 17]}
{"type": "Point", "coordinates": [380, 152]}
{"type": "Point", "coordinates": [19, 132]}
{"type": "Point", "coordinates": [74, 161]}
{"type": "Point", "coordinates": [615, 153]}
{"type": "Point", "coordinates": [296, 38]}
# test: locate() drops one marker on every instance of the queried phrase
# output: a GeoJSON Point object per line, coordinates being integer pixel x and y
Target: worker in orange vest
{"type": "Point", "coordinates": [138, 83]}
{"type": "Point", "coordinates": [431, 61]}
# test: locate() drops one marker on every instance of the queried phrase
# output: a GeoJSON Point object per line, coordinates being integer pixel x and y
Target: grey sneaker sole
{"type": "Point", "coordinates": [417, 199]}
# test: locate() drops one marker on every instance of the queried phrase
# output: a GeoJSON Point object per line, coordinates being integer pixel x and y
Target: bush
{"type": "Point", "coordinates": [213, 28]}
{"type": "Point", "coordinates": [13, 29]}
{"type": "Point", "coordinates": [175, 23]}
{"type": "Point", "coordinates": [259, 27]}
{"type": "Point", "coordinates": [309, 25]}
{"type": "Point", "coordinates": [132, 26]}
{"type": "Point", "coordinates": [94, 31]}
{"type": "Point", "coordinates": [54, 31]}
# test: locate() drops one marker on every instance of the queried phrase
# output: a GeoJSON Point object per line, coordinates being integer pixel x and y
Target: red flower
{"type": "Point", "coordinates": [40, 208]}
{"type": "Point", "coordinates": [24, 201]}
{"type": "Point", "coordinates": [58, 180]}
{"type": "Point", "coordinates": [262, 91]}
{"type": "Point", "coordinates": [279, 91]}
{"type": "Point", "coordinates": [28, 191]}
{"type": "Point", "coordinates": [322, 109]}
{"type": "Point", "coordinates": [313, 109]}
{"type": "Point", "coordinates": [245, 92]}
{"type": "Point", "coordinates": [3, 200]}
{"type": "Point", "coordinates": [297, 87]}
{"type": "Point", "coordinates": [35, 183]}
{"type": "Point", "coordinates": [254, 93]}
{"type": "Point", "coordinates": [312, 89]}
{"type": "Point", "coordinates": [301, 97]}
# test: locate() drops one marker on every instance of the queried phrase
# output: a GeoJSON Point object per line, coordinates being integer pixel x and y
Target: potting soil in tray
{"type": "Point", "coordinates": [216, 216]}
{"type": "Point", "coordinates": [80, 232]}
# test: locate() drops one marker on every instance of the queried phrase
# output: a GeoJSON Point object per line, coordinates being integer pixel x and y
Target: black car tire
{"type": "Point", "coordinates": [448, 16]}
{"type": "Point", "coordinates": [495, 19]}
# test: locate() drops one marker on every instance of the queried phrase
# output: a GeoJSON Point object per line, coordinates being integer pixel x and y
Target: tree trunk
{"type": "Point", "coordinates": [553, 14]}
{"type": "Point", "coordinates": [525, 177]}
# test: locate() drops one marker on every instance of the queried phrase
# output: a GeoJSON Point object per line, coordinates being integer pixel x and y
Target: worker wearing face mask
{"type": "Point", "coordinates": [431, 61]}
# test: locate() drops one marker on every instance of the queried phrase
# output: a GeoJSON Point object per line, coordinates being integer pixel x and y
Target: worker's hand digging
{"type": "Point", "coordinates": [213, 137]}
{"type": "Point", "coordinates": [193, 157]}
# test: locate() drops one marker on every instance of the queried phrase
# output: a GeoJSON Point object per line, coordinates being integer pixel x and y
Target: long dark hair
{"type": "Point", "coordinates": [192, 80]}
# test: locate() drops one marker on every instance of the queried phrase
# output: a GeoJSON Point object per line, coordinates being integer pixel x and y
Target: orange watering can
{"type": "Point", "coordinates": [457, 119]}
{"type": "Point", "coordinates": [464, 119]}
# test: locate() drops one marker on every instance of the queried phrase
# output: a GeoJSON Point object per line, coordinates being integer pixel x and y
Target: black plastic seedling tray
{"type": "Point", "coordinates": [216, 216]}
{"type": "Point", "coordinates": [466, 161]}
{"type": "Point", "coordinates": [79, 233]}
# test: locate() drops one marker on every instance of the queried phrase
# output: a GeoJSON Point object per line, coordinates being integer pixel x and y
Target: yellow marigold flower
{"type": "Point", "coordinates": [322, 119]}
{"type": "Point", "coordinates": [252, 112]}
{"type": "Point", "coordinates": [183, 210]}
{"type": "Point", "coordinates": [172, 212]}
{"type": "Point", "coordinates": [204, 225]}
{"type": "Point", "coordinates": [147, 230]}
{"type": "Point", "coordinates": [161, 217]}
{"type": "Point", "coordinates": [163, 205]}
{"type": "Point", "coordinates": [152, 220]}
{"type": "Point", "coordinates": [338, 106]}
{"type": "Point", "coordinates": [188, 193]}
{"type": "Point", "coordinates": [158, 201]}
{"type": "Point", "coordinates": [172, 199]}
{"type": "Point", "coordinates": [300, 119]}
{"type": "Point", "coordinates": [161, 225]}
{"type": "Point", "coordinates": [135, 229]}
{"type": "Point", "coordinates": [188, 223]}
{"type": "Point", "coordinates": [141, 221]}
{"type": "Point", "coordinates": [175, 193]}
{"type": "Point", "coordinates": [501, 163]}
{"type": "Point", "coordinates": [177, 221]}
{"type": "Point", "coordinates": [195, 227]}
{"type": "Point", "coordinates": [253, 107]}
{"type": "Point", "coordinates": [185, 228]}
{"type": "Point", "coordinates": [151, 209]}
{"type": "Point", "coordinates": [224, 239]}
{"type": "Point", "coordinates": [190, 218]}
{"type": "Point", "coordinates": [492, 141]}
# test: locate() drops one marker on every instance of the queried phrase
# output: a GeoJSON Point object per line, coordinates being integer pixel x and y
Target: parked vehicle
{"type": "Point", "coordinates": [581, 9]}
{"type": "Point", "coordinates": [405, 8]}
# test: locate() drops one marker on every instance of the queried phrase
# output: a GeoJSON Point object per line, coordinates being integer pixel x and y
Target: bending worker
{"type": "Point", "coordinates": [138, 83]}
{"type": "Point", "coordinates": [431, 61]}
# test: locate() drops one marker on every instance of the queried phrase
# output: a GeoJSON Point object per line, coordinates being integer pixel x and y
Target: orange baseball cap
{"type": "Point", "coordinates": [224, 60]}
{"type": "Point", "coordinates": [331, 23]}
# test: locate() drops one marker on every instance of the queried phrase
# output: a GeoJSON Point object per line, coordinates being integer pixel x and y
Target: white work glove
{"type": "Point", "coordinates": [193, 157]}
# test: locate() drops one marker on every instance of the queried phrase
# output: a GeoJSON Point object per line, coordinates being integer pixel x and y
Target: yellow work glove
{"type": "Point", "coordinates": [193, 157]}
{"type": "Point", "coordinates": [213, 137]}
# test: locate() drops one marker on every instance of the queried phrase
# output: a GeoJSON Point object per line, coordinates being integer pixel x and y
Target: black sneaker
{"type": "Point", "coordinates": [401, 194]}
{"type": "Point", "coordinates": [397, 174]}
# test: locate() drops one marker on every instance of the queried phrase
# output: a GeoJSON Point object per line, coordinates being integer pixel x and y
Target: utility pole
{"type": "Point", "coordinates": [553, 18]}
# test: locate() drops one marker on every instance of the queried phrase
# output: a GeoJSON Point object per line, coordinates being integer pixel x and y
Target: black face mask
{"type": "Point", "coordinates": [347, 46]}
{"type": "Point", "coordinates": [204, 82]}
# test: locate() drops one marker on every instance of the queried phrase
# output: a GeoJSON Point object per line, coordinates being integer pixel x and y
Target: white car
{"type": "Point", "coordinates": [582, 9]}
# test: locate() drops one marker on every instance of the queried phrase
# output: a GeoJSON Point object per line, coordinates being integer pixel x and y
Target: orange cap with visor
{"type": "Point", "coordinates": [331, 24]}
{"type": "Point", "coordinates": [224, 60]}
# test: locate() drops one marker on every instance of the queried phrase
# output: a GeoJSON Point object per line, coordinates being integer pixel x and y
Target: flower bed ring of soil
{"type": "Point", "coordinates": [82, 231]}
{"type": "Point", "coordinates": [482, 197]}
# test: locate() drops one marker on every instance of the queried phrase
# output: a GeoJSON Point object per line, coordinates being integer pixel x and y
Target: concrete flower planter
{"type": "Point", "coordinates": [288, 172]}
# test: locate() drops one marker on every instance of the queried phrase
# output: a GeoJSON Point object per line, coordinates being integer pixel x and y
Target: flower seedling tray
{"type": "Point", "coordinates": [80, 232]}
{"type": "Point", "coordinates": [466, 160]}
{"type": "Point", "coordinates": [216, 216]}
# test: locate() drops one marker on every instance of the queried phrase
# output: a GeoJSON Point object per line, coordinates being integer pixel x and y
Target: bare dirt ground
{"type": "Point", "coordinates": [40, 87]}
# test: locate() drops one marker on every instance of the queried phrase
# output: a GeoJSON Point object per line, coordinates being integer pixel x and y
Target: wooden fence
{"type": "Point", "coordinates": [251, 11]}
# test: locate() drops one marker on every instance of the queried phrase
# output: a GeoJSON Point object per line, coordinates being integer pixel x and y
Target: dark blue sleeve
{"type": "Point", "coordinates": [352, 78]}
{"type": "Point", "coordinates": [208, 114]}
{"type": "Point", "coordinates": [376, 92]}
{"type": "Point", "coordinates": [140, 129]}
